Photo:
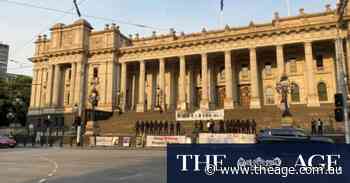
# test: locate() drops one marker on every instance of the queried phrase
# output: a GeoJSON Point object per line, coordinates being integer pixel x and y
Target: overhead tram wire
{"type": "Point", "coordinates": [85, 15]}
{"type": "Point", "coordinates": [68, 12]}
{"type": "Point", "coordinates": [42, 31]}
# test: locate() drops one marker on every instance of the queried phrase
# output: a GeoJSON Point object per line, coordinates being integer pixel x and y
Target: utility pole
{"type": "Point", "coordinates": [340, 65]}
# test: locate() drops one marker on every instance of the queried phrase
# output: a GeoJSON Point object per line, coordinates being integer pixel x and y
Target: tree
{"type": "Point", "coordinates": [14, 89]}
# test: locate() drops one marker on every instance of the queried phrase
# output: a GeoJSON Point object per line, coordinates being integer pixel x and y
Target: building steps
{"type": "Point", "coordinates": [267, 116]}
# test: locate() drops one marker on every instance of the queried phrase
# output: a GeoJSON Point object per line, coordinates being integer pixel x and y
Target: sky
{"type": "Point", "coordinates": [20, 25]}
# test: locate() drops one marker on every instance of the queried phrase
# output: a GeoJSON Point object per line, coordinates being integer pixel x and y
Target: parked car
{"type": "Point", "coordinates": [7, 142]}
{"type": "Point", "coordinates": [289, 135]}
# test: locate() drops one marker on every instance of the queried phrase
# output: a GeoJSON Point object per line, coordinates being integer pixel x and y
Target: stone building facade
{"type": "Point", "coordinates": [235, 68]}
{"type": "Point", "coordinates": [4, 56]}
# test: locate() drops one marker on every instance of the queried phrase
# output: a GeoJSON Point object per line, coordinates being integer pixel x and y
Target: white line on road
{"type": "Point", "coordinates": [54, 170]}
{"type": "Point", "coordinates": [131, 176]}
{"type": "Point", "coordinates": [42, 181]}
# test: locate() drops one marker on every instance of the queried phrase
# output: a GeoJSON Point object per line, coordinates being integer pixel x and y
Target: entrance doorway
{"type": "Point", "coordinates": [244, 96]}
{"type": "Point", "coordinates": [221, 95]}
{"type": "Point", "coordinates": [198, 97]}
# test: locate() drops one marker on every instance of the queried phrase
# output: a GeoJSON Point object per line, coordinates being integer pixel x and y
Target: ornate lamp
{"type": "Point", "coordinates": [93, 99]}
{"type": "Point", "coordinates": [285, 87]}
{"type": "Point", "coordinates": [158, 106]}
{"type": "Point", "coordinates": [91, 127]}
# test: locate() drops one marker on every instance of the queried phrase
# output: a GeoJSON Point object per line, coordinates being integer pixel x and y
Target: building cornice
{"type": "Point", "coordinates": [224, 36]}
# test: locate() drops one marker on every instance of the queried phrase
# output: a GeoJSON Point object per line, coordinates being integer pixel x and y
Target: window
{"type": "Point", "coordinates": [293, 65]}
{"type": "Point", "coordinates": [319, 62]}
{"type": "Point", "coordinates": [322, 91]}
{"type": "Point", "coordinates": [244, 70]}
{"type": "Point", "coordinates": [295, 93]}
{"type": "Point", "coordinates": [268, 69]}
{"type": "Point", "coordinates": [269, 97]}
{"type": "Point", "coordinates": [95, 72]}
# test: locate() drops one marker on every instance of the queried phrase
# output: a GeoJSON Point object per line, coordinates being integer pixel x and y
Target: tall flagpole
{"type": "Point", "coordinates": [221, 14]}
{"type": "Point", "coordinates": [221, 19]}
{"type": "Point", "coordinates": [288, 7]}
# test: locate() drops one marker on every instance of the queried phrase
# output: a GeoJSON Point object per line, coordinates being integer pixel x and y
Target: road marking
{"type": "Point", "coordinates": [53, 171]}
{"type": "Point", "coordinates": [131, 176]}
{"type": "Point", "coordinates": [42, 180]}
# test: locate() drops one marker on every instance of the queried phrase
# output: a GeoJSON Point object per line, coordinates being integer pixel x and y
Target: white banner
{"type": "Point", "coordinates": [106, 141]}
{"type": "Point", "coordinates": [218, 138]}
{"type": "Point", "coordinates": [200, 115]}
{"type": "Point", "coordinates": [126, 141]}
{"type": "Point", "coordinates": [162, 141]}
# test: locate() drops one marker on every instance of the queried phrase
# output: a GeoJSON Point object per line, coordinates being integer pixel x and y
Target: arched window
{"type": "Point", "coordinates": [269, 97]}
{"type": "Point", "coordinates": [322, 91]}
{"type": "Point", "coordinates": [295, 93]}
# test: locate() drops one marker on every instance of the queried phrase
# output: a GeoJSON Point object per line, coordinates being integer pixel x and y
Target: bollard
{"type": "Point", "coordinates": [62, 137]}
{"type": "Point", "coordinates": [50, 137]}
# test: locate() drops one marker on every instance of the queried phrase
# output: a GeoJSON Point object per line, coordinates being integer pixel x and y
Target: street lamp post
{"type": "Point", "coordinates": [93, 99]}
{"type": "Point", "coordinates": [342, 78]}
{"type": "Point", "coordinates": [11, 116]}
{"type": "Point", "coordinates": [159, 107]}
{"type": "Point", "coordinates": [18, 102]}
{"type": "Point", "coordinates": [284, 87]}
{"type": "Point", "coordinates": [48, 122]}
{"type": "Point", "coordinates": [76, 122]}
{"type": "Point", "coordinates": [118, 107]}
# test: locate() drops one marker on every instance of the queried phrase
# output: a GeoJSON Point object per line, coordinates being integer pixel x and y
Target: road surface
{"type": "Point", "coordinates": [57, 165]}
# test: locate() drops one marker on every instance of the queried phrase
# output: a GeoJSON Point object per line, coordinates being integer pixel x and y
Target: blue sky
{"type": "Point", "coordinates": [19, 25]}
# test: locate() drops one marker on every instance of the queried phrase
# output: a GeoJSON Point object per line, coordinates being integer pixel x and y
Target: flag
{"type": "Point", "coordinates": [222, 5]}
{"type": "Point", "coordinates": [77, 7]}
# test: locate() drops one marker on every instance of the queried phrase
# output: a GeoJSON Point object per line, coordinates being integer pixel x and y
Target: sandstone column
{"type": "Point", "coordinates": [39, 85]}
{"type": "Point", "coordinates": [72, 84]}
{"type": "Point", "coordinates": [49, 86]}
{"type": "Point", "coordinates": [191, 86]}
{"type": "Point", "coordinates": [348, 59]}
{"type": "Point", "coordinates": [212, 87]}
{"type": "Point", "coordinates": [33, 92]}
{"type": "Point", "coordinates": [122, 97]}
{"type": "Point", "coordinates": [228, 81]}
{"type": "Point", "coordinates": [205, 98]}
{"type": "Point", "coordinates": [162, 82]}
{"type": "Point", "coordinates": [56, 86]}
{"type": "Point", "coordinates": [280, 61]}
{"type": "Point", "coordinates": [141, 103]}
{"type": "Point", "coordinates": [182, 84]}
{"type": "Point", "coordinates": [312, 98]}
{"type": "Point", "coordinates": [255, 102]}
{"type": "Point", "coordinates": [78, 84]}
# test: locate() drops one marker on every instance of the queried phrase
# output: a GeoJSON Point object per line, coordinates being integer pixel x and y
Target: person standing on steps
{"type": "Point", "coordinates": [178, 128]}
{"type": "Point", "coordinates": [313, 127]}
{"type": "Point", "coordinates": [172, 126]}
{"type": "Point", "coordinates": [166, 128]}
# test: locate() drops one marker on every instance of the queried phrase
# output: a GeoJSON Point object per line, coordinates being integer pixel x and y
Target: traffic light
{"type": "Point", "coordinates": [339, 110]}
{"type": "Point", "coordinates": [338, 97]}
